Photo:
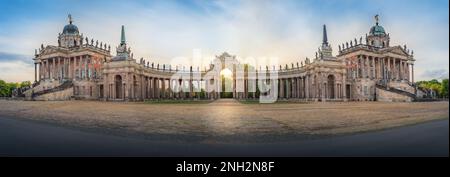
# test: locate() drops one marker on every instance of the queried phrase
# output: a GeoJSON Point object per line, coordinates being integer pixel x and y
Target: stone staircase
{"type": "Point", "coordinates": [65, 85]}
{"type": "Point", "coordinates": [397, 91]}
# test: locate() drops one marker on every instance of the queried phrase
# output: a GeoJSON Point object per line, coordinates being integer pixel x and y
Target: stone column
{"type": "Point", "coordinates": [163, 88]}
{"type": "Point", "coordinates": [336, 93]}
{"type": "Point", "coordinates": [207, 93]}
{"type": "Point", "coordinates": [149, 84]}
{"type": "Point", "coordinates": [367, 67]}
{"type": "Point", "coordinates": [380, 66]}
{"type": "Point", "coordinates": [80, 67]}
{"type": "Point", "coordinates": [56, 69]}
{"type": "Point", "coordinates": [155, 85]}
{"type": "Point", "coordinates": [399, 69]}
{"type": "Point", "coordinates": [374, 76]}
{"type": "Point", "coordinates": [154, 80]}
{"type": "Point", "coordinates": [76, 66]}
{"type": "Point", "coordinates": [35, 72]}
{"type": "Point", "coordinates": [300, 87]}
{"type": "Point", "coordinates": [344, 87]}
{"type": "Point", "coordinates": [149, 88]}
{"type": "Point", "coordinates": [69, 68]}
{"type": "Point", "coordinates": [362, 67]}
{"type": "Point", "coordinates": [358, 65]}
{"type": "Point", "coordinates": [170, 85]}
{"type": "Point", "coordinates": [389, 68]}
{"type": "Point", "coordinates": [191, 89]}
{"type": "Point", "coordinates": [47, 69]}
{"type": "Point", "coordinates": [181, 89]}
{"type": "Point", "coordinates": [316, 91]}
{"type": "Point", "coordinates": [43, 65]}
{"type": "Point", "coordinates": [288, 88]}
{"type": "Point", "coordinates": [59, 66]}
{"type": "Point", "coordinates": [64, 68]}
{"type": "Point", "coordinates": [279, 88]}
{"type": "Point", "coordinates": [87, 72]}
{"type": "Point", "coordinates": [53, 69]}
{"type": "Point", "coordinates": [292, 87]}
{"type": "Point", "coordinates": [40, 70]}
{"type": "Point", "coordinates": [407, 72]}
{"type": "Point", "coordinates": [306, 87]}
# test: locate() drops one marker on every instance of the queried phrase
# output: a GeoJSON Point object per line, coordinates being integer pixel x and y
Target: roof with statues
{"type": "Point", "coordinates": [378, 41]}
{"type": "Point", "coordinates": [70, 42]}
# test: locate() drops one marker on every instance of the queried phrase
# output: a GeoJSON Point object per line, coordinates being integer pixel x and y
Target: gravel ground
{"type": "Point", "coordinates": [227, 117]}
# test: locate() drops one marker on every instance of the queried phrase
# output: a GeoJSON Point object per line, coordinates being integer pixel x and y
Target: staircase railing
{"type": "Point", "coordinates": [395, 90]}
{"type": "Point", "coordinates": [65, 85]}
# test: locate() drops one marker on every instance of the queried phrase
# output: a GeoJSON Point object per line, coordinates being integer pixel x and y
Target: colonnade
{"type": "Point", "coordinates": [380, 68]}
{"type": "Point", "coordinates": [130, 86]}
{"type": "Point", "coordinates": [59, 68]}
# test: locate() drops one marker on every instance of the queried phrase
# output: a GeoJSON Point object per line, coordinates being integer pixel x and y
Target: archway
{"type": "Point", "coordinates": [330, 84]}
{"type": "Point", "coordinates": [118, 84]}
{"type": "Point", "coordinates": [227, 83]}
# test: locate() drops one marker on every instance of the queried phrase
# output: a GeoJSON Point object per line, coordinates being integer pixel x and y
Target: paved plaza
{"type": "Point", "coordinates": [217, 120]}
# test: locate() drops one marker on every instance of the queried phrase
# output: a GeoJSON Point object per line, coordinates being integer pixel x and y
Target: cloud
{"type": "Point", "coordinates": [16, 67]}
{"type": "Point", "coordinates": [5, 57]}
{"type": "Point", "coordinates": [16, 71]}
{"type": "Point", "coordinates": [435, 74]}
{"type": "Point", "coordinates": [166, 31]}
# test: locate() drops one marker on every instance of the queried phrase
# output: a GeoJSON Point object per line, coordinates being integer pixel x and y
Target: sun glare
{"type": "Point", "coordinates": [226, 73]}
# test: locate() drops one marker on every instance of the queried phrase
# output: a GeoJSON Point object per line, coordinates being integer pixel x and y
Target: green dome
{"type": "Point", "coordinates": [70, 29]}
{"type": "Point", "coordinates": [377, 30]}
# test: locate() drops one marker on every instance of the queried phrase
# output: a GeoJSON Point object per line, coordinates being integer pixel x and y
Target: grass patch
{"type": "Point", "coordinates": [177, 101]}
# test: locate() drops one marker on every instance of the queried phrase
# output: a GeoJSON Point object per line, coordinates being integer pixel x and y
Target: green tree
{"type": "Point", "coordinates": [25, 84]}
{"type": "Point", "coordinates": [441, 88]}
{"type": "Point", "coordinates": [3, 88]}
{"type": "Point", "coordinates": [444, 88]}
{"type": "Point", "coordinates": [6, 88]}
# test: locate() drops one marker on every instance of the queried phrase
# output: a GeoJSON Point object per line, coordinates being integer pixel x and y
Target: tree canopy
{"type": "Point", "coordinates": [6, 88]}
{"type": "Point", "coordinates": [441, 88]}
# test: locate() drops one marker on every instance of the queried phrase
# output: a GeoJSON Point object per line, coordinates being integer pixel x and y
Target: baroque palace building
{"type": "Point", "coordinates": [368, 69]}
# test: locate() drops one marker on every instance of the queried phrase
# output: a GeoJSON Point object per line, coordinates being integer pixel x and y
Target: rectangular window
{"type": "Point", "coordinates": [365, 90]}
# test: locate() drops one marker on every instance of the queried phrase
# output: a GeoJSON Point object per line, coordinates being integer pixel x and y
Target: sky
{"type": "Point", "coordinates": [168, 31]}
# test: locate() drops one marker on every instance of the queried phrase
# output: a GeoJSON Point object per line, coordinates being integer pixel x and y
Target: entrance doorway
{"type": "Point", "coordinates": [347, 91]}
{"type": "Point", "coordinates": [227, 83]}
{"type": "Point", "coordinates": [118, 83]}
{"type": "Point", "coordinates": [330, 84]}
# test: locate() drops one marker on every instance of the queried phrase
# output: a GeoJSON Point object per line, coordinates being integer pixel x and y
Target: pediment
{"type": "Point", "coordinates": [397, 50]}
{"type": "Point", "coordinates": [50, 50]}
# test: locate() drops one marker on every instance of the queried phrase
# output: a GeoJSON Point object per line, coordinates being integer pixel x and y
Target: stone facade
{"type": "Point", "coordinates": [355, 73]}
